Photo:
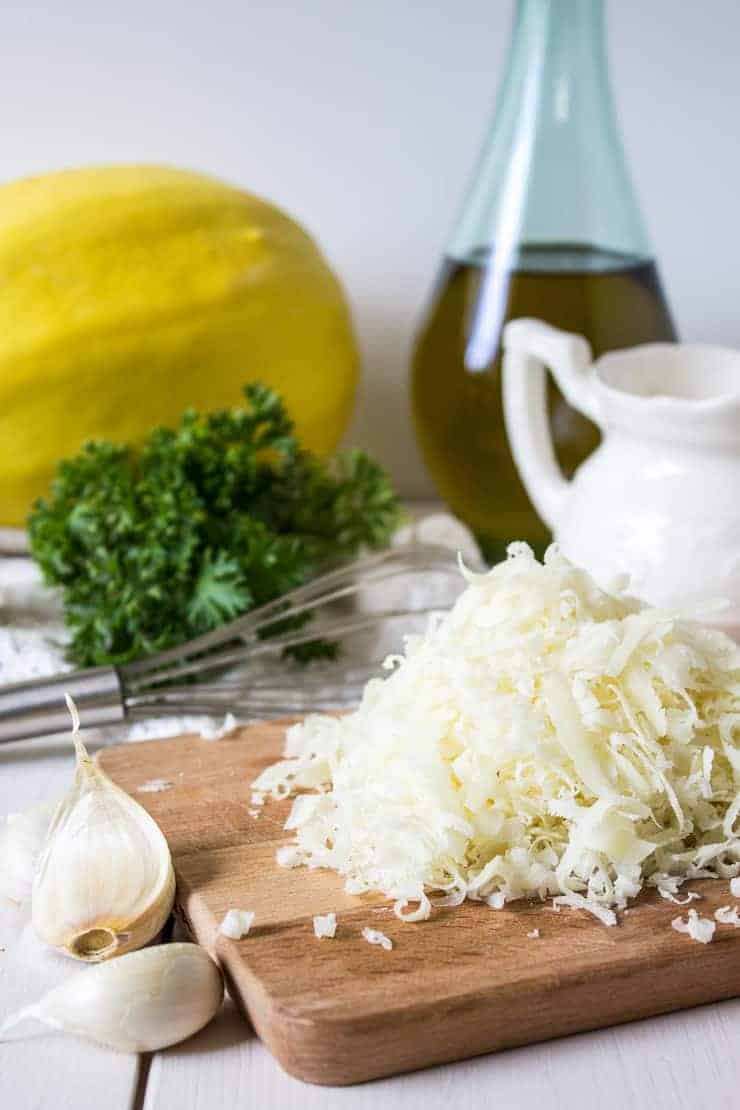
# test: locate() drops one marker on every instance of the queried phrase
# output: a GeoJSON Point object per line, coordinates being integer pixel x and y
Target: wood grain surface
{"type": "Point", "coordinates": [466, 982]}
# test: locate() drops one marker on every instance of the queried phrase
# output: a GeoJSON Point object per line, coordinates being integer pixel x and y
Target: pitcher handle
{"type": "Point", "coordinates": [531, 346]}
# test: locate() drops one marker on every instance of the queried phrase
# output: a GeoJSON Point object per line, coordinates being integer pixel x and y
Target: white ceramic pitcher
{"type": "Point", "coordinates": [659, 499]}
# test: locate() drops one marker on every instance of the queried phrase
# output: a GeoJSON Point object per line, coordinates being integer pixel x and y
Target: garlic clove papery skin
{"type": "Point", "coordinates": [104, 883]}
{"type": "Point", "coordinates": [141, 1002]}
{"type": "Point", "coordinates": [22, 837]}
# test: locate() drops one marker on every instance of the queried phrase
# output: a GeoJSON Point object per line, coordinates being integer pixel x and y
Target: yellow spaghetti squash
{"type": "Point", "coordinates": [132, 292]}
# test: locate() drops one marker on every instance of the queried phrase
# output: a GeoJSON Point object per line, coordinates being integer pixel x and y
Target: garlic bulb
{"type": "Point", "coordinates": [104, 884]}
{"type": "Point", "coordinates": [22, 836]}
{"type": "Point", "coordinates": [139, 1003]}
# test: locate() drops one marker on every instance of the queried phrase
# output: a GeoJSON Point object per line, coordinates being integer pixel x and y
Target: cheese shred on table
{"type": "Point", "coordinates": [544, 738]}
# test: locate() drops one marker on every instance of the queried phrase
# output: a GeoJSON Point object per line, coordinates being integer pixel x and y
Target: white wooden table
{"type": "Point", "coordinates": [679, 1062]}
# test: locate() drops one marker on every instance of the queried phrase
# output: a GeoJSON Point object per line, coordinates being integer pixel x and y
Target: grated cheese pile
{"type": "Point", "coordinates": [544, 738]}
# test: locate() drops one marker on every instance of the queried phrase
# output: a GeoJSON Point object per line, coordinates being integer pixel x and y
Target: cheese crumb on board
{"type": "Point", "coordinates": [728, 915]}
{"type": "Point", "coordinates": [698, 928]}
{"type": "Point", "coordinates": [578, 902]}
{"type": "Point", "coordinates": [735, 887]}
{"type": "Point", "coordinates": [543, 738]}
{"type": "Point", "coordinates": [236, 924]}
{"type": "Point", "coordinates": [374, 936]}
{"type": "Point", "coordinates": [533, 934]}
{"type": "Point", "coordinates": [154, 786]}
{"type": "Point", "coordinates": [288, 855]}
{"type": "Point", "coordinates": [691, 896]}
{"type": "Point", "coordinates": [325, 925]}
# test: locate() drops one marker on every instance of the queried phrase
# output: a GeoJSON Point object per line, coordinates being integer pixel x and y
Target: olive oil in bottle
{"type": "Point", "coordinates": [550, 229]}
{"type": "Point", "coordinates": [614, 300]}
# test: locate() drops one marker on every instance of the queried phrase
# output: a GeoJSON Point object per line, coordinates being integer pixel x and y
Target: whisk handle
{"type": "Point", "coordinates": [37, 708]}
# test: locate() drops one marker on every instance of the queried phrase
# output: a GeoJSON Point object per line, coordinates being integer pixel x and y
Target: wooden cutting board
{"type": "Point", "coordinates": [468, 981]}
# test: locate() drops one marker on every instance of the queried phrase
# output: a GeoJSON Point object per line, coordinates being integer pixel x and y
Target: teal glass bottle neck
{"type": "Point", "coordinates": [552, 180]}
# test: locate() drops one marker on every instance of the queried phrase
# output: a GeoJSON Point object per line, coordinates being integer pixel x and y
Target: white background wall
{"type": "Point", "coordinates": [363, 118]}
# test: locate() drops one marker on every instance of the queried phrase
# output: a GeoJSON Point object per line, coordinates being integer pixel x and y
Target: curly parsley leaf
{"type": "Point", "coordinates": [152, 546]}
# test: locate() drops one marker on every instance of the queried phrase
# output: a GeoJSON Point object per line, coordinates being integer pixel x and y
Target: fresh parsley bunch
{"type": "Point", "coordinates": [152, 546]}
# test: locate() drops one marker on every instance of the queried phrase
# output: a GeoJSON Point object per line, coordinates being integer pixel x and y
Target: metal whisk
{"type": "Point", "coordinates": [241, 667]}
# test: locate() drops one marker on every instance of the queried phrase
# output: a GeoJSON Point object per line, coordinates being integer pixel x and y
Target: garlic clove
{"type": "Point", "coordinates": [104, 884]}
{"type": "Point", "coordinates": [22, 836]}
{"type": "Point", "coordinates": [141, 1002]}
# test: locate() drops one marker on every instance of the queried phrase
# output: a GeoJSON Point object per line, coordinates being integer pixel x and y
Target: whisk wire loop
{"type": "Point", "coordinates": [241, 666]}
